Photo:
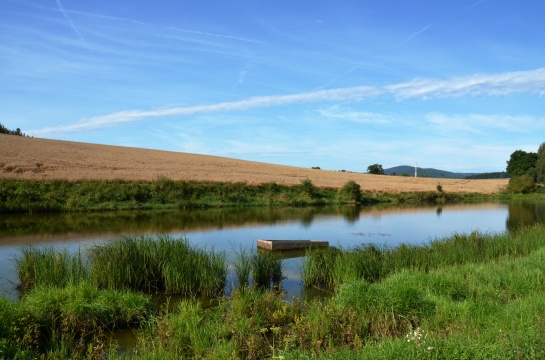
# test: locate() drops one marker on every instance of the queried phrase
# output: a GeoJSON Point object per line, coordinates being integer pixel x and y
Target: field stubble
{"type": "Point", "coordinates": [25, 158]}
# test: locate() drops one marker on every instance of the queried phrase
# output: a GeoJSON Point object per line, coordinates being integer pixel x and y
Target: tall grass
{"type": "Point", "coordinates": [164, 264]}
{"type": "Point", "coordinates": [490, 305]}
{"type": "Point", "coordinates": [148, 264]}
{"type": "Point", "coordinates": [48, 266]}
{"type": "Point", "coordinates": [332, 267]}
{"type": "Point", "coordinates": [264, 269]}
{"type": "Point", "coordinates": [68, 319]}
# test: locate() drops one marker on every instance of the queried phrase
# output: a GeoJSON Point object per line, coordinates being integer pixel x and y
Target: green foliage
{"type": "Point", "coordinates": [469, 296]}
{"type": "Point", "coordinates": [73, 317]}
{"type": "Point", "coordinates": [266, 270]}
{"type": "Point", "coordinates": [164, 265]}
{"type": "Point", "coordinates": [351, 192]}
{"type": "Point", "coordinates": [375, 169]}
{"type": "Point", "coordinates": [4, 130]}
{"type": "Point", "coordinates": [439, 188]}
{"type": "Point", "coordinates": [164, 193]}
{"type": "Point", "coordinates": [47, 266]}
{"type": "Point", "coordinates": [331, 267]}
{"type": "Point", "coordinates": [491, 175]}
{"type": "Point", "coordinates": [522, 184]}
{"type": "Point", "coordinates": [521, 163]}
{"type": "Point", "coordinates": [540, 164]}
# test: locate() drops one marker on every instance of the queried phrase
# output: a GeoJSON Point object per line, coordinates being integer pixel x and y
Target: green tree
{"type": "Point", "coordinates": [4, 130]}
{"type": "Point", "coordinates": [375, 169]}
{"type": "Point", "coordinates": [540, 164]}
{"type": "Point", "coordinates": [351, 191]}
{"type": "Point", "coordinates": [522, 163]}
{"type": "Point", "coordinates": [522, 184]}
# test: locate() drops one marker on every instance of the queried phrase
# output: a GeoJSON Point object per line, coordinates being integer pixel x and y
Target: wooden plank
{"type": "Point", "coordinates": [290, 244]}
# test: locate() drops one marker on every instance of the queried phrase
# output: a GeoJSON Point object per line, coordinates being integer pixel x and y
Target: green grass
{"type": "Point", "coordinates": [164, 193]}
{"type": "Point", "coordinates": [68, 319]}
{"type": "Point", "coordinates": [483, 310]}
{"type": "Point", "coordinates": [332, 267]}
{"type": "Point", "coordinates": [48, 266]}
{"type": "Point", "coordinates": [473, 296]}
{"type": "Point", "coordinates": [164, 264]}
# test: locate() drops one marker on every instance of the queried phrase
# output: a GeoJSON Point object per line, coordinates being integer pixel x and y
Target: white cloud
{"type": "Point", "coordinates": [532, 81]}
{"type": "Point", "coordinates": [335, 112]}
{"type": "Point", "coordinates": [483, 123]}
{"type": "Point", "coordinates": [502, 84]}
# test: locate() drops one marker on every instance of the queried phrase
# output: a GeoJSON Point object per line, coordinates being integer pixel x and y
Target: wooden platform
{"type": "Point", "coordinates": [291, 244]}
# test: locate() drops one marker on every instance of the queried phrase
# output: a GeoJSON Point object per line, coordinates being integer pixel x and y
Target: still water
{"type": "Point", "coordinates": [233, 229]}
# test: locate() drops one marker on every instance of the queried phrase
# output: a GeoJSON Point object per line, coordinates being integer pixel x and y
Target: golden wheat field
{"type": "Point", "coordinates": [25, 158]}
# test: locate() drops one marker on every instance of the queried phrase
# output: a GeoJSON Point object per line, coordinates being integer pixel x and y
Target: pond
{"type": "Point", "coordinates": [239, 228]}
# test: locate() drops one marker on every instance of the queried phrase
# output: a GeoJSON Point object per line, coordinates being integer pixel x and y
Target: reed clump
{"type": "Point", "coordinates": [49, 266]}
{"type": "Point", "coordinates": [262, 269]}
{"type": "Point", "coordinates": [162, 264]}
{"type": "Point", "coordinates": [147, 264]}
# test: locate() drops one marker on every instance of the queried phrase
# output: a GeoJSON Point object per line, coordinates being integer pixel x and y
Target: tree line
{"type": "Point", "coordinates": [4, 130]}
{"type": "Point", "coordinates": [526, 169]}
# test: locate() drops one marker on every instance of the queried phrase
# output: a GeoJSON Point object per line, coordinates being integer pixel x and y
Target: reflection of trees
{"type": "Point", "coordinates": [439, 211]}
{"type": "Point", "coordinates": [351, 213]}
{"type": "Point", "coordinates": [157, 221]}
{"type": "Point", "coordinates": [524, 213]}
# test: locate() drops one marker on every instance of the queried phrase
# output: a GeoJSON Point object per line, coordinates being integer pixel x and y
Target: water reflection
{"type": "Point", "coordinates": [522, 213]}
{"type": "Point", "coordinates": [239, 228]}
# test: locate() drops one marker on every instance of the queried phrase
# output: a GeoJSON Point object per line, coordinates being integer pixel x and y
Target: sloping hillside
{"type": "Point", "coordinates": [41, 159]}
{"type": "Point", "coordinates": [429, 172]}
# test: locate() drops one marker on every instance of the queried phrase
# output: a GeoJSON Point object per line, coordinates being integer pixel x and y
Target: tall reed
{"type": "Point", "coordinates": [48, 266]}
{"type": "Point", "coordinates": [148, 264]}
{"type": "Point", "coordinates": [266, 270]}
{"type": "Point", "coordinates": [164, 264]}
{"type": "Point", "coordinates": [332, 267]}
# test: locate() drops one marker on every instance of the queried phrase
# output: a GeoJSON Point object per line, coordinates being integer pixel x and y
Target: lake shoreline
{"type": "Point", "coordinates": [164, 194]}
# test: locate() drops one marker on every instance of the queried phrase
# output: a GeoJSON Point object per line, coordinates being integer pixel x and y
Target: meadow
{"type": "Point", "coordinates": [467, 296]}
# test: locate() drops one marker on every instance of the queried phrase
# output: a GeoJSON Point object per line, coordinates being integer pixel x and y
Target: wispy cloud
{"type": "Point", "coordinates": [364, 117]}
{"type": "Point", "coordinates": [72, 25]}
{"type": "Point", "coordinates": [453, 124]}
{"type": "Point", "coordinates": [417, 33]}
{"type": "Point", "coordinates": [532, 81]}
{"type": "Point", "coordinates": [475, 85]}
{"type": "Point", "coordinates": [472, 6]}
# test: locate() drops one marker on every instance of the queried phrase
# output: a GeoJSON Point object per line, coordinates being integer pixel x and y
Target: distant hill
{"type": "Point", "coordinates": [431, 173]}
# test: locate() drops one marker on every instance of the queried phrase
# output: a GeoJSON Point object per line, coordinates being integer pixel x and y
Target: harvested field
{"type": "Point", "coordinates": [24, 158]}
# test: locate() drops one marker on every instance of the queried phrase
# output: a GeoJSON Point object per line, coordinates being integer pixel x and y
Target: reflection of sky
{"type": "Point", "coordinates": [388, 229]}
{"type": "Point", "coordinates": [382, 228]}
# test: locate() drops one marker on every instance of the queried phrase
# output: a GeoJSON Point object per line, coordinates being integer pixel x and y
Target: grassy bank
{"type": "Point", "coordinates": [63, 196]}
{"type": "Point", "coordinates": [469, 296]}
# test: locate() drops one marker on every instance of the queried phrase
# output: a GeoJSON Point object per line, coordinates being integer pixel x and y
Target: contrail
{"type": "Point", "coordinates": [72, 25]}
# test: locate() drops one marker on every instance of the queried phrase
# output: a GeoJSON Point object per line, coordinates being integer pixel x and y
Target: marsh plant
{"type": "Point", "coordinates": [49, 266]}
{"type": "Point", "coordinates": [469, 296]}
{"type": "Point", "coordinates": [163, 264]}
{"type": "Point", "coordinates": [331, 267]}
{"type": "Point", "coordinates": [264, 269]}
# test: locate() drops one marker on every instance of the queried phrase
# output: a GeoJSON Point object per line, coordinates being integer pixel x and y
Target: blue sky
{"type": "Point", "coordinates": [455, 85]}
